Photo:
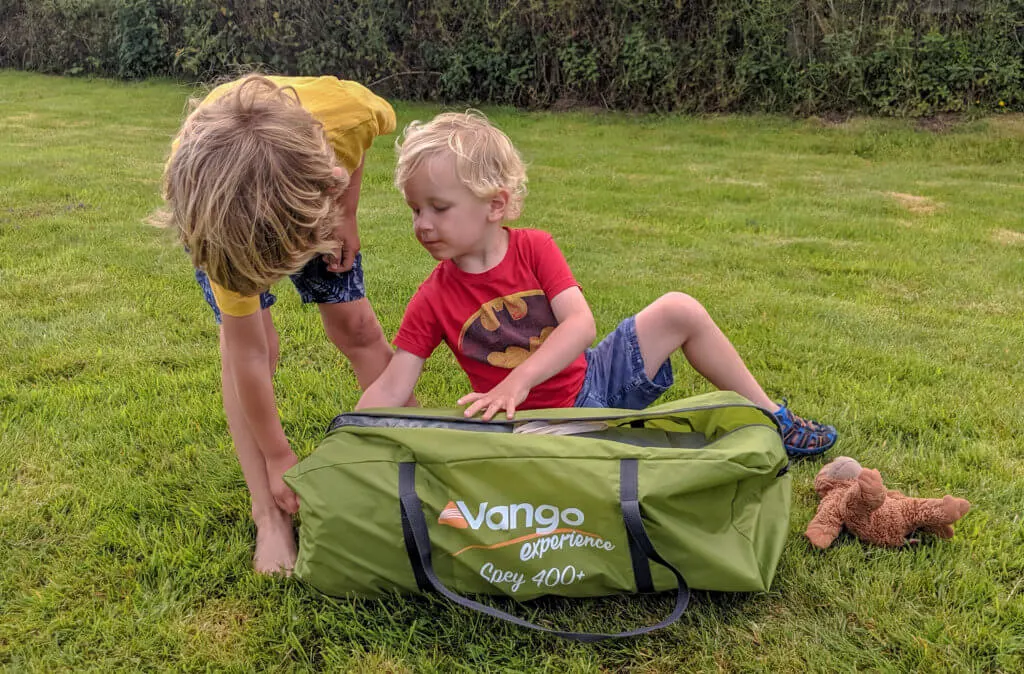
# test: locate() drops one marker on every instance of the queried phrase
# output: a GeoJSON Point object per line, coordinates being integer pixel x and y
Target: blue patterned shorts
{"type": "Point", "coordinates": [616, 376]}
{"type": "Point", "coordinates": [314, 283]}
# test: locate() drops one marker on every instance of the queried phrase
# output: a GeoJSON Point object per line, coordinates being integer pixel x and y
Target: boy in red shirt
{"type": "Point", "coordinates": [508, 306]}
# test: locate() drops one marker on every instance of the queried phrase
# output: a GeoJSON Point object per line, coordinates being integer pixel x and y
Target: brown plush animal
{"type": "Point", "coordinates": [855, 497]}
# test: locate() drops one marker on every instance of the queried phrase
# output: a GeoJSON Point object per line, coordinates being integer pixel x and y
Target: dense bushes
{"type": "Point", "coordinates": [907, 57]}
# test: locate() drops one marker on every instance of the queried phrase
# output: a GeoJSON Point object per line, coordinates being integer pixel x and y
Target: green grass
{"type": "Point", "coordinates": [125, 540]}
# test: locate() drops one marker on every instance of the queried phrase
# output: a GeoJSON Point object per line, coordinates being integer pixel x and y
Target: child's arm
{"type": "Point", "coordinates": [571, 337]}
{"type": "Point", "coordinates": [395, 385]}
{"type": "Point", "coordinates": [347, 231]}
{"type": "Point", "coordinates": [246, 356]}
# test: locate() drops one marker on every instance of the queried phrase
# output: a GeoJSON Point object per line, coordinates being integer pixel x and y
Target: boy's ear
{"type": "Point", "coordinates": [498, 206]}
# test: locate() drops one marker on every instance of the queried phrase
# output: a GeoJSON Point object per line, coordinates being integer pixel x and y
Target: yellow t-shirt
{"type": "Point", "coordinates": [352, 115]}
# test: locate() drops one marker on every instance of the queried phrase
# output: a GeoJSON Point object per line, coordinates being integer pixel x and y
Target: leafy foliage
{"type": "Point", "coordinates": [800, 56]}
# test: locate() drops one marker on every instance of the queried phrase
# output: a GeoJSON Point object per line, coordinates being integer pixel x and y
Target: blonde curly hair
{"type": "Point", "coordinates": [485, 159]}
{"type": "Point", "coordinates": [250, 186]}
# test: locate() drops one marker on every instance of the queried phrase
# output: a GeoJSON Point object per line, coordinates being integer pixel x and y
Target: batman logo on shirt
{"type": "Point", "coordinates": [506, 330]}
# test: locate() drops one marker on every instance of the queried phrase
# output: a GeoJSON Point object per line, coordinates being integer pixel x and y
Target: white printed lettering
{"type": "Point", "coordinates": [502, 523]}
{"type": "Point", "coordinates": [545, 517]}
{"type": "Point", "coordinates": [496, 576]}
{"type": "Point", "coordinates": [536, 549]}
{"type": "Point", "coordinates": [474, 522]}
{"type": "Point", "coordinates": [514, 515]}
{"type": "Point", "coordinates": [575, 513]}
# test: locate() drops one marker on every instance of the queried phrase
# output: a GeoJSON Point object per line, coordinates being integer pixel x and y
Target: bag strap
{"type": "Point", "coordinates": [422, 580]}
{"type": "Point", "coordinates": [418, 540]}
{"type": "Point", "coordinates": [629, 501]}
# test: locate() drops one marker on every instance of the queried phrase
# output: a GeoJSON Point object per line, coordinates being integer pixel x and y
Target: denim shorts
{"type": "Point", "coordinates": [616, 376]}
{"type": "Point", "coordinates": [314, 283]}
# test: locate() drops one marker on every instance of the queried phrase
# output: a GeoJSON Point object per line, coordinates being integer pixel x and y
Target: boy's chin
{"type": "Point", "coordinates": [437, 253]}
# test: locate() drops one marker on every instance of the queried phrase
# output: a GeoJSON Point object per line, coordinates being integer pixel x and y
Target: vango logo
{"type": "Point", "coordinates": [544, 518]}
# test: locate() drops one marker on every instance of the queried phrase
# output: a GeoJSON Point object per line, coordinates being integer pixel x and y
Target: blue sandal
{"type": "Point", "coordinates": [803, 437]}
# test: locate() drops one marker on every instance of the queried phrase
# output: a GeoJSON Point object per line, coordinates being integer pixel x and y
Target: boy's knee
{"type": "Point", "coordinates": [357, 331]}
{"type": "Point", "coordinates": [682, 308]}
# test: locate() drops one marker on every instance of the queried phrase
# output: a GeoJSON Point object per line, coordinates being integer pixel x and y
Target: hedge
{"type": "Point", "coordinates": [894, 57]}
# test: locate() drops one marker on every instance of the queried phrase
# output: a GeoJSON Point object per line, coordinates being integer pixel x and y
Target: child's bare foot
{"type": "Point", "coordinates": [275, 544]}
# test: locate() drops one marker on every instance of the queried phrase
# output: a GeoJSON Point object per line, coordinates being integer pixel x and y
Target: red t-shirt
{"type": "Point", "coordinates": [493, 321]}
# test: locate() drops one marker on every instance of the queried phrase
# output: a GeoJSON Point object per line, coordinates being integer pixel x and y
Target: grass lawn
{"type": "Point", "coordinates": [870, 271]}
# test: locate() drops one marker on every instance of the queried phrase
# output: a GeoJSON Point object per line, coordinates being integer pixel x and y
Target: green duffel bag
{"type": "Point", "coordinates": [574, 502]}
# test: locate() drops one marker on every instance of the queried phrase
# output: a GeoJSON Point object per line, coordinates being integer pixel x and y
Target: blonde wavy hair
{"type": "Point", "coordinates": [250, 186]}
{"type": "Point", "coordinates": [485, 159]}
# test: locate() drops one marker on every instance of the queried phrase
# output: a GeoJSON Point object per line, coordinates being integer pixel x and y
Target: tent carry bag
{"type": "Point", "coordinates": [577, 502]}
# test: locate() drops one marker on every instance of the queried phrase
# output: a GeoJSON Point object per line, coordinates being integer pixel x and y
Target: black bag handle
{"type": "Point", "coordinates": [417, 541]}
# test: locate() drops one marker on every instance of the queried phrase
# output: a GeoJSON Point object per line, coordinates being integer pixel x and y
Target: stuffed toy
{"type": "Point", "coordinates": [855, 497]}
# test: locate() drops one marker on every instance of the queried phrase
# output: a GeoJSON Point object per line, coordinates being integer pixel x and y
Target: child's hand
{"type": "Point", "coordinates": [504, 396]}
{"type": "Point", "coordinates": [334, 260]}
{"type": "Point", "coordinates": [285, 498]}
{"type": "Point", "coordinates": [347, 235]}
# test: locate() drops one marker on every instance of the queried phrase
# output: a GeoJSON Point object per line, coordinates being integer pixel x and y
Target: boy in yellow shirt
{"type": "Point", "coordinates": [263, 182]}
